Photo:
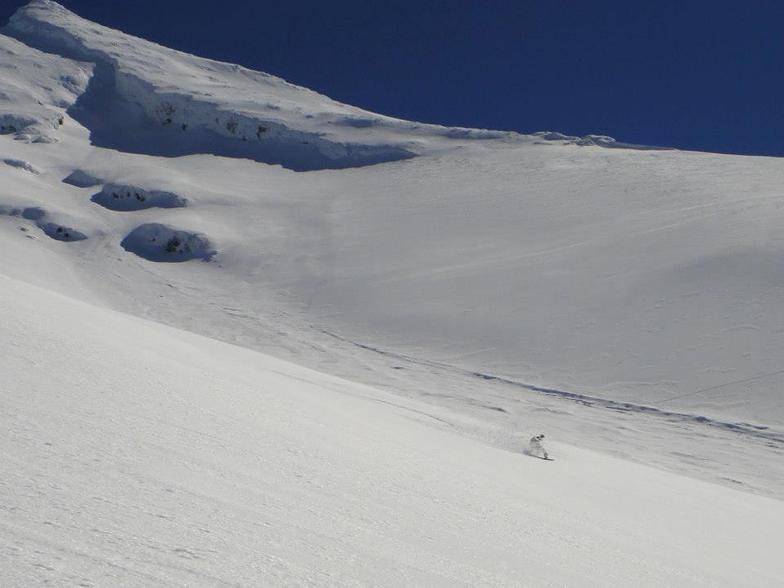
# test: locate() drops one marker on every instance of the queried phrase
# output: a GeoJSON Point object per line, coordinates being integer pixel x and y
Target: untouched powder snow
{"type": "Point", "coordinates": [138, 455]}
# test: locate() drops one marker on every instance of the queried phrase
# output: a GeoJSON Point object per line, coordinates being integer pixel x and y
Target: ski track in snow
{"type": "Point", "coordinates": [759, 431]}
{"type": "Point", "coordinates": [159, 457]}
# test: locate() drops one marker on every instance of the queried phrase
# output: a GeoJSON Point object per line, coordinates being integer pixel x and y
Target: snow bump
{"type": "Point", "coordinates": [82, 179]}
{"type": "Point", "coordinates": [122, 197]}
{"type": "Point", "coordinates": [60, 232]}
{"type": "Point", "coordinates": [23, 165]}
{"type": "Point", "coordinates": [162, 243]}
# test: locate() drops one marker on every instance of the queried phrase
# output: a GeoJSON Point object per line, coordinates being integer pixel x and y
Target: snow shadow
{"type": "Point", "coordinates": [125, 114]}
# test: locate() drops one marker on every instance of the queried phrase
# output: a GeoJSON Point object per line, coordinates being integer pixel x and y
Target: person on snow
{"type": "Point", "coordinates": [536, 447]}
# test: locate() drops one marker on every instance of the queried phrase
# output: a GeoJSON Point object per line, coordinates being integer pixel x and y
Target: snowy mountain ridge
{"type": "Point", "coordinates": [231, 104]}
{"type": "Point", "coordinates": [235, 110]}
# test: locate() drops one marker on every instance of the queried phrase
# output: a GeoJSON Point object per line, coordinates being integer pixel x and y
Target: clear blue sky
{"type": "Point", "coordinates": [706, 75]}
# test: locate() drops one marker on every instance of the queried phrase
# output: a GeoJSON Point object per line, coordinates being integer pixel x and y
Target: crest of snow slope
{"type": "Point", "coordinates": [138, 455]}
{"type": "Point", "coordinates": [150, 99]}
{"type": "Point", "coordinates": [36, 89]}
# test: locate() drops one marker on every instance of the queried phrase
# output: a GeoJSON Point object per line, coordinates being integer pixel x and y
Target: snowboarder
{"type": "Point", "coordinates": [536, 448]}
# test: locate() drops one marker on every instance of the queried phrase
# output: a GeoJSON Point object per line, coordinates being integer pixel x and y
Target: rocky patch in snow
{"type": "Point", "coordinates": [126, 198]}
{"type": "Point", "coordinates": [162, 243]}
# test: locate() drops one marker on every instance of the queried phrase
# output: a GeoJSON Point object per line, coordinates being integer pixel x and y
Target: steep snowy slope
{"type": "Point", "coordinates": [150, 99]}
{"type": "Point", "coordinates": [36, 89]}
{"type": "Point", "coordinates": [626, 299]}
{"type": "Point", "coordinates": [138, 455]}
{"type": "Point", "coordinates": [645, 277]}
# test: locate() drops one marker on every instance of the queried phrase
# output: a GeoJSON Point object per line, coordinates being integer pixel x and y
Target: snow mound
{"type": "Point", "coordinates": [21, 164]}
{"type": "Point", "coordinates": [82, 179]}
{"type": "Point", "coordinates": [29, 213]}
{"type": "Point", "coordinates": [126, 198]}
{"type": "Point", "coordinates": [157, 242]}
{"type": "Point", "coordinates": [42, 219]}
{"type": "Point", "coordinates": [36, 89]}
{"type": "Point", "coordinates": [60, 232]}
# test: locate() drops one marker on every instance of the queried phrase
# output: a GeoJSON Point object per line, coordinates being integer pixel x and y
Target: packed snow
{"type": "Point", "coordinates": [139, 455]}
{"type": "Point", "coordinates": [367, 320]}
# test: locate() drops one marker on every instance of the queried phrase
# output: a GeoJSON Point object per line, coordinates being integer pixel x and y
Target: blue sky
{"type": "Point", "coordinates": [695, 75]}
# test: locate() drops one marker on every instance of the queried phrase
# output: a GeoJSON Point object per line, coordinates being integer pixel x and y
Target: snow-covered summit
{"type": "Point", "coordinates": [146, 98]}
{"type": "Point", "coordinates": [150, 99]}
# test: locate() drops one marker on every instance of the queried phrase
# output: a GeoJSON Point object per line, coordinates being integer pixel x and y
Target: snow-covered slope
{"type": "Point", "coordinates": [138, 455]}
{"type": "Point", "coordinates": [36, 89]}
{"type": "Point", "coordinates": [150, 99]}
{"type": "Point", "coordinates": [643, 276]}
{"type": "Point", "coordinates": [625, 300]}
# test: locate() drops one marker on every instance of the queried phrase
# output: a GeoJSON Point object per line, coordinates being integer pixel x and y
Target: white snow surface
{"type": "Point", "coordinates": [464, 290]}
{"type": "Point", "coordinates": [35, 90]}
{"type": "Point", "coordinates": [140, 455]}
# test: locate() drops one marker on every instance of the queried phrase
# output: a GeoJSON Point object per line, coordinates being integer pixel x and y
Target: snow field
{"type": "Point", "coordinates": [140, 455]}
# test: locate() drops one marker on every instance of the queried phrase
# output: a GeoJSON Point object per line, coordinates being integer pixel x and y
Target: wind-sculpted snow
{"type": "Point", "coordinates": [36, 89]}
{"type": "Point", "coordinates": [125, 112]}
{"type": "Point", "coordinates": [144, 98]}
{"type": "Point", "coordinates": [157, 242]}
{"type": "Point", "coordinates": [127, 198]}
{"type": "Point", "coordinates": [593, 141]}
